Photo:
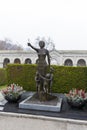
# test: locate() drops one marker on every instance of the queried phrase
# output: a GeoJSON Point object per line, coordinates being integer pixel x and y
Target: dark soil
{"type": "Point", "coordinates": [53, 100]}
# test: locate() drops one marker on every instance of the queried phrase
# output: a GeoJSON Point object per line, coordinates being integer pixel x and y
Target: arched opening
{"type": "Point", "coordinates": [37, 61]}
{"type": "Point", "coordinates": [6, 61]}
{"type": "Point", "coordinates": [81, 62]}
{"type": "Point", "coordinates": [17, 61]}
{"type": "Point", "coordinates": [28, 61]}
{"type": "Point", "coordinates": [68, 62]}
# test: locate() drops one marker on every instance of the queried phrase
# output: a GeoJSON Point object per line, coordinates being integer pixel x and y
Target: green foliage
{"type": "Point", "coordinates": [3, 77]}
{"type": "Point", "coordinates": [65, 78]}
{"type": "Point", "coordinates": [22, 75]}
{"type": "Point", "coordinates": [3, 86]}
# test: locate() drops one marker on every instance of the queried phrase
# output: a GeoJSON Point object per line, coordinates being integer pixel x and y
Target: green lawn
{"type": "Point", "coordinates": [3, 86]}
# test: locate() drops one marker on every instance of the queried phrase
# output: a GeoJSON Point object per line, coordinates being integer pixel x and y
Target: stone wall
{"type": "Point", "coordinates": [58, 57]}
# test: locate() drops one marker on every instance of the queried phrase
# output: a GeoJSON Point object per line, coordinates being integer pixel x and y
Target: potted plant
{"type": "Point", "coordinates": [76, 98]}
{"type": "Point", "coordinates": [13, 92]}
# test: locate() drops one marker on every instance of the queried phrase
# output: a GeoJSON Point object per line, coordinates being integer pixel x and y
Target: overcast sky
{"type": "Point", "coordinates": [64, 21]}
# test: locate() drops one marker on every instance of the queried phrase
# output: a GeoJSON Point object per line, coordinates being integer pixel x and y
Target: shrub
{"type": "Point", "coordinates": [76, 98]}
{"type": "Point", "coordinates": [65, 78]}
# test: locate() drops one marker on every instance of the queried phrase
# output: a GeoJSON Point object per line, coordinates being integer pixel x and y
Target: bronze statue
{"type": "Point", "coordinates": [42, 78]}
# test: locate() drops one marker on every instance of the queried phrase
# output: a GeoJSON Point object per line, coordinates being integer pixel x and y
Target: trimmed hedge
{"type": "Point", "coordinates": [65, 78]}
{"type": "Point", "coordinates": [22, 75]}
{"type": "Point", "coordinates": [3, 77]}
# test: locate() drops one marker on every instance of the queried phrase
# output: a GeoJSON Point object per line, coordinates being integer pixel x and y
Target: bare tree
{"type": "Point", "coordinates": [7, 44]}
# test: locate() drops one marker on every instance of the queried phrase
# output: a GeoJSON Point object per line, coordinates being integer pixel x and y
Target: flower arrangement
{"type": "Point", "coordinates": [13, 92]}
{"type": "Point", "coordinates": [76, 97]}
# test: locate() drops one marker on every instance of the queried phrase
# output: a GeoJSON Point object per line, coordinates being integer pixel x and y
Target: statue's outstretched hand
{"type": "Point", "coordinates": [29, 44]}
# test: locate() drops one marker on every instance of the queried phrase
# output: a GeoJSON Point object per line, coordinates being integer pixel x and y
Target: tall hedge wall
{"type": "Point", "coordinates": [3, 77]}
{"type": "Point", "coordinates": [65, 78]}
{"type": "Point", "coordinates": [22, 75]}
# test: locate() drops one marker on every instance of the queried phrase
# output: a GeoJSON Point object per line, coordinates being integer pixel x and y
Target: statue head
{"type": "Point", "coordinates": [41, 44]}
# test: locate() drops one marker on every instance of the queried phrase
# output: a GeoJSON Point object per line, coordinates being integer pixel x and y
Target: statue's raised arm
{"type": "Point", "coordinates": [29, 44]}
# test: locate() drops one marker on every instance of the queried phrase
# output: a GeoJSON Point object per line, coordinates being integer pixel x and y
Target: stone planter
{"type": "Point", "coordinates": [11, 98]}
{"type": "Point", "coordinates": [76, 104]}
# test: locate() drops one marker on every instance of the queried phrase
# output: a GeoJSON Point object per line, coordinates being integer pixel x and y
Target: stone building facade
{"type": "Point", "coordinates": [58, 57]}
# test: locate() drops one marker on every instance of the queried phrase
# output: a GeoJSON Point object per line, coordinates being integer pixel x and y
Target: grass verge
{"type": "Point", "coordinates": [3, 87]}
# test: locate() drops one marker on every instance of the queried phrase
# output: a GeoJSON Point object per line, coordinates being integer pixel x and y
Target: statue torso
{"type": "Point", "coordinates": [42, 55]}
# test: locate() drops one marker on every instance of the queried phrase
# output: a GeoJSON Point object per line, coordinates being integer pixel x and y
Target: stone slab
{"type": "Point", "coordinates": [33, 106]}
{"type": "Point", "coordinates": [1, 108]}
{"type": "Point", "coordinates": [3, 101]}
